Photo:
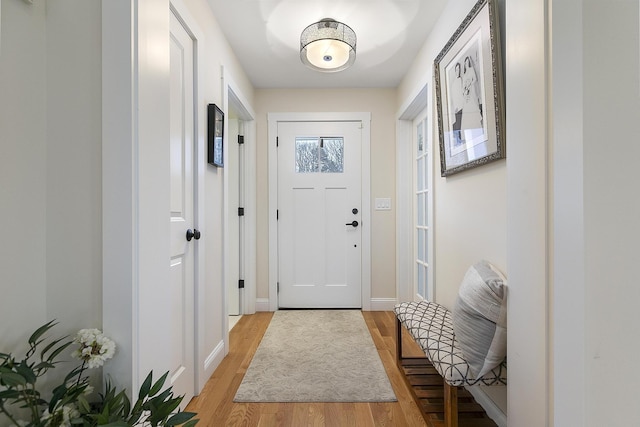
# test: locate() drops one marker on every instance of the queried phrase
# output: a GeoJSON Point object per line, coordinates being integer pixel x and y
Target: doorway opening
{"type": "Point", "coordinates": [239, 206]}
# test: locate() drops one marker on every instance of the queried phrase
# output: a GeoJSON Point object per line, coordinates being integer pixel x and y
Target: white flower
{"type": "Point", "coordinates": [61, 417]}
{"type": "Point", "coordinates": [95, 348]}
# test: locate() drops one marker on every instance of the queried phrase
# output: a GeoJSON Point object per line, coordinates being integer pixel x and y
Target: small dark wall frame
{"type": "Point", "coordinates": [215, 135]}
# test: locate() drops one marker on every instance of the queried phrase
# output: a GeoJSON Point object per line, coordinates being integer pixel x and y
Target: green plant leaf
{"type": "Point", "coordinates": [58, 394]}
{"type": "Point", "coordinates": [9, 394]}
{"type": "Point", "coordinates": [191, 423]}
{"type": "Point", "coordinates": [158, 385]}
{"type": "Point", "coordinates": [136, 412]}
{"type": "Point", "coordinates": [33, 339]}
{"type": "Point", "coordinates": [153, 402]}
{"type": "Point", "coordinates": [74, 373]}
{"type": "Point", "coordinates": [58, 350]}
{"type": "Point", "coordinates": [43, 366]}
{"type": "Point", "coordinates": [162, 406]}
{"type": "Point", "coordinates": [180, 418]}
{"type": "Point", "coordinates": [146, 386]}
{"type": "Point", "coordinates": [12, 379]}
{"type": "Point", "coordinates": [126, 405]}
{"type": "Point", "coordinates": [83, 405]}
{"type": "Point", "coordinates": [26, 372]}
{"type": "Point", "coordinates": [52, 344]}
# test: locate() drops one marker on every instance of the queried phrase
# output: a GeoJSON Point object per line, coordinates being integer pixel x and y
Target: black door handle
{"type": "Point", "coordinates": [193, 234]}
{"type": "Point", "coordinates": [353, 223]}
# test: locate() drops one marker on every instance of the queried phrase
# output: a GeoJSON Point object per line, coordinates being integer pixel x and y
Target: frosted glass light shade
{"type": "Point", "coordinates": [328, 46]}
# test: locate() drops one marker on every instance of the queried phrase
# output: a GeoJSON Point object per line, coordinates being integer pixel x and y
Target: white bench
{"type": "Point", "coordinates": [431, 327]}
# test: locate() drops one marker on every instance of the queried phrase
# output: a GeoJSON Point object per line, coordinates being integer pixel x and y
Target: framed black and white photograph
{"type": "Point", "coordinates": [215, 136]}
{"type": "Point", "coordinates": [469, 93]}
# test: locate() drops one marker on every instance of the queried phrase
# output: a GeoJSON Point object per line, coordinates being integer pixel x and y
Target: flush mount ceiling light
{"type": "Point", "coordinates": [328, 46]}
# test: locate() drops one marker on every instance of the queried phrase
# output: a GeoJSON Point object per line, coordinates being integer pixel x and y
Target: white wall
{"type": "Point", "coordinates": [50, 123]}
{"type": "Point", "coordinates": [23, 172]}
{"type": "Point", "coordinates": [611, 149]}
{"type": "Point", "coordinates": [470, 208]}
{"type": "Point", "coordinates": [50, 171]}
{"type": "Point", "coordinates": [381, 103]}
{"type": "Point", "coordinates": [567, 304]}
{"type": "Point", "coordinates": [74, 173]}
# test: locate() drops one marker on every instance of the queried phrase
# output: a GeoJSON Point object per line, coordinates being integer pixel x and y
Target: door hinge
{"type": "Point", "coordinates": [277, 141]}
{"type": "Point", "coordinates": [241, 284]}
{"type": "Point", "coordinates": [240, 139]}
{"type": "Point", "coordinates": [277, 214]}
{"type": "Point", "coordinates": [278, 287]}
{"type": "Point", "coordinates": [240, 211]}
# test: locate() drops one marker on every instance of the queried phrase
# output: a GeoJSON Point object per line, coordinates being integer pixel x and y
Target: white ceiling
{"type": "Point", "coordinates": [265, 35]}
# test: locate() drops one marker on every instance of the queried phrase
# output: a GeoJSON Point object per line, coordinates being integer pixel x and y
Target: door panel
{"type": "Point", "coordinates": [319, 186]}
{"type": "Point", "coordinates": [181, 259]}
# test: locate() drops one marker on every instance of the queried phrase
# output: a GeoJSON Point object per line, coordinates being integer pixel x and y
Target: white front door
{"type": "Point", "coordinates": [181, 334]}
{"type": "Point", "coordinates": [319, 214]}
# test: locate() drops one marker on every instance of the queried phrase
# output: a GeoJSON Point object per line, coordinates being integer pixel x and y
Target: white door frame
{"type": "Point", "coordinates": [273, 119]}
{"type": "Point", "coordinates": [405, 227]}
{"type": "Point", "coordinates": [232, 95]}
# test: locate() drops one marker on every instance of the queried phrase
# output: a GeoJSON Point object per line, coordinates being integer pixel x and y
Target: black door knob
{"type": "Point", "coordinates": [353, 223]}
{"type": "Point", "coordinates": [193, 234]}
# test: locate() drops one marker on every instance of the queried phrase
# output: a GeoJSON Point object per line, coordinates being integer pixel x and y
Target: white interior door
{"type": "Point", "coordinates": [319, 214]}
{"type": "Point", "coordinates": [181, 335]}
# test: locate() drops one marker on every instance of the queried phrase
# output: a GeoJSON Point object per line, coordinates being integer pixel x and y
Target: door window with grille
{"type": "Point", "coordinates": [320, 154]}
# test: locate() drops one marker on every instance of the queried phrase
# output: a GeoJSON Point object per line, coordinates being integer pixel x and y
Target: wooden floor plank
{"type": "Point", "coordinates": [215, 405]}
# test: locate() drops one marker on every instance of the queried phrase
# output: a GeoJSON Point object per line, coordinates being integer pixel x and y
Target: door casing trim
{"type": "Point", "coordinates": [365, 119]}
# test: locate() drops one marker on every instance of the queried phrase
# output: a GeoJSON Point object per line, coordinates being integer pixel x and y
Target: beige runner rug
{"type": "Point", "coordinates": [316, 356]}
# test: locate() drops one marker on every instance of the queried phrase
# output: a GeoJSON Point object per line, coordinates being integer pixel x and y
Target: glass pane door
{"type": "Point", "coordinates": [422, 208]}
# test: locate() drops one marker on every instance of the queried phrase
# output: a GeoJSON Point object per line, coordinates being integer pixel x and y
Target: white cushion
{"type": "Point", "coordinates": [480, 318]}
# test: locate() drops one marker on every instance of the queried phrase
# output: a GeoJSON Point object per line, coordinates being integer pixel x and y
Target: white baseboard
{"type": "Point", "coordinates": [262, 304]}
{"type": "Point", "coordinates": [210, 364]}
{"type": "Point", "coordinates": [493, 411]}
{"type": "Point", "coordinates": [383, 304]}
{"type": "Point", "coordinates": [214, 358]}
{"type": "Point", "coordinates": [377, 304]}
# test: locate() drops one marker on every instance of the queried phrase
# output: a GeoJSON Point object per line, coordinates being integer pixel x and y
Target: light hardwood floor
{"type": "Point", "coordinates": [215, 406]}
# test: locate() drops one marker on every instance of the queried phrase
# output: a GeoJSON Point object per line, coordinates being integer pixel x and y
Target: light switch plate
{"type": "Point", "coordinates": [383, 204]}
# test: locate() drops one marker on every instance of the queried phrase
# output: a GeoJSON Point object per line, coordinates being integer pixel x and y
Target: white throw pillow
{"type": "Point", "coordinates": [480, 318]}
